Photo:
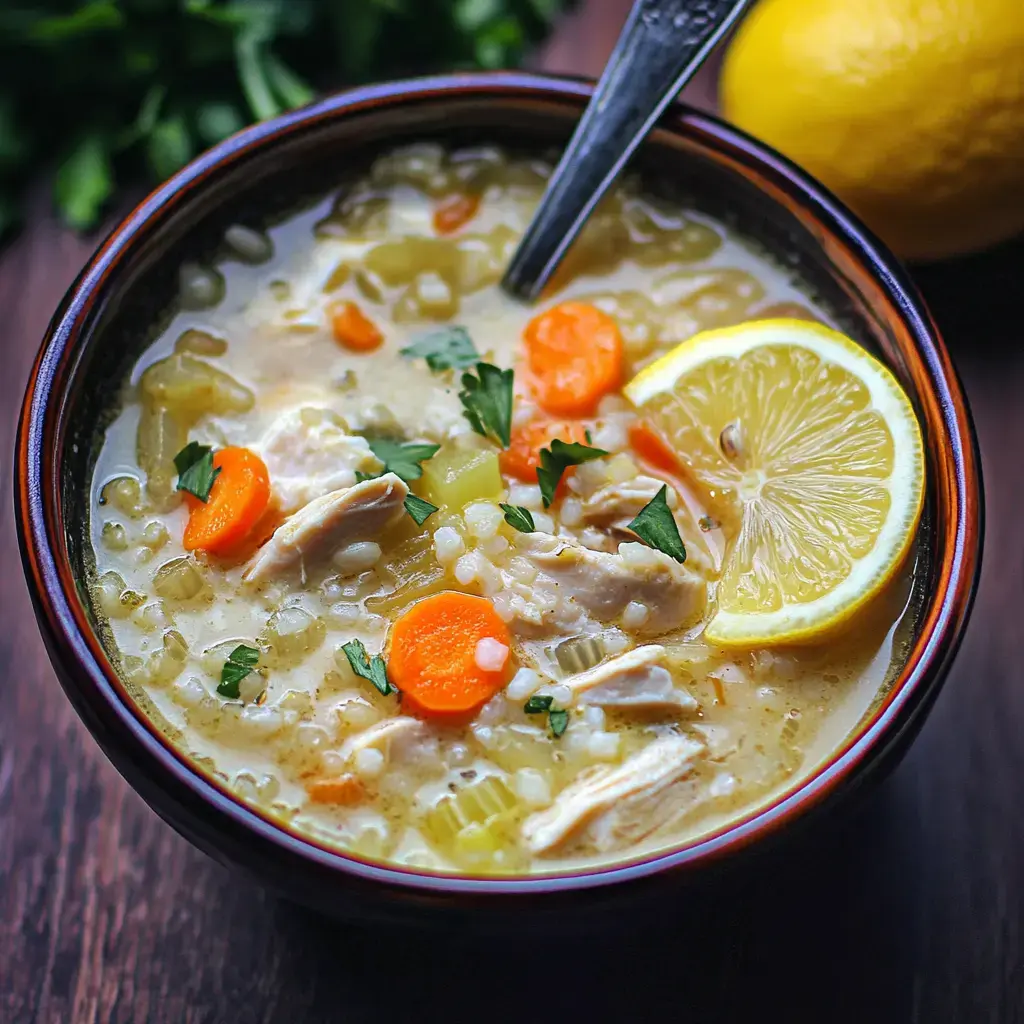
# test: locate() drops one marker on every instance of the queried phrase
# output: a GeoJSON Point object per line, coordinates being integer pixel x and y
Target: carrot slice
{"type": "Point", "coordinates": [574, 352]}
{"type": "Point", "coordinates": [353, 328]}
{"type": "Point", "coordinates": [433, 655]}
{"type": "Point", "coordinates": [344, 790]}
{"type": "Point", "coordinates": [522, 457]}
{"type": "Point", "coordinates": [238, 498]}
{"type": "Point", "coordinates": [455, 210]}
{"type": "Point", "coordinates": [652, 447]}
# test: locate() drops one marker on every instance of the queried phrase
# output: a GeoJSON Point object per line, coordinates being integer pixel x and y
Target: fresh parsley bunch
{"type": "Point", "coordinates": [106, 91]}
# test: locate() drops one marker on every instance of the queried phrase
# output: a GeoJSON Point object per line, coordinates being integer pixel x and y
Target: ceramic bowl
{"type": "Point", "coordinates": [130, 283]}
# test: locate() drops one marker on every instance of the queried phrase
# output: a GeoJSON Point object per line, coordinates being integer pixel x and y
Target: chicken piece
{"type": "Point", "coordinates": [603, 584]}
{"type": "Point", "coordinates": [617, 805]}
{"type": "Point", "coordinates": [636, 679]}
{"type": "Point", "coordinates": [381, 735]}
{"type": "Point", "coordinates": [618, 503]}
{"type": "Point", "coordinates": [309, 453]}
{"type": "Point", "coordinates": [328, 523]}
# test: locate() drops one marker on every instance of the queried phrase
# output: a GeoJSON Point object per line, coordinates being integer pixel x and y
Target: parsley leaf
{"type": "Point", "coordinates": [419, 508]}
{"type": "Point", "coordinates": [399, 458]}
{"type": "Point", "coordinates": [518, 518]}
{"type": "Point", "coordinates": [196, 471]}
{"type": "Point", "coordinates": [369, 668]}
{"type": "Point", "coordinates": [554, 461]}
{"type": "Point", "coordinates": [656, 527]}
{"type": "Point", "coordinates": [558, 719]}
{"type": "Point", "coordinates": [487, 402]}
{"type": "Point", "coordinates": [450, 348]}
{"type": "Point", "coordinates": [537, 705]}
{"type": "Point", "coordinates": [241, 661]}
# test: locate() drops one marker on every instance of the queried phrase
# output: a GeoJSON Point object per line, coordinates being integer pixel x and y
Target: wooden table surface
{"type": "Point", "coordinates": [911, 911]}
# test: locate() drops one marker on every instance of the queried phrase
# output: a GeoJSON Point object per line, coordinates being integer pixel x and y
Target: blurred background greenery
{"type": "Point", "coordinates": [100, 93]}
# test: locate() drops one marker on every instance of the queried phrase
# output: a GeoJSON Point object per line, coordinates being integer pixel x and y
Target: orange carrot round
{"type": "Point", "coordinates": [433, 655]}
{"type": "Point", "coordinates": [652, 447]}
{"type": "Point", "coordinates": [353, 328]}
{"type": "Point", "coordinates": [522, 457]}
{"type": "Point", "coordinates": [574, 352]}
{"type": "Point", "coordinates": [238, 498]}
{"type": "Point", "coordinates": [343, 790]}
{"type": "Point", "coordinates": [455, 210]}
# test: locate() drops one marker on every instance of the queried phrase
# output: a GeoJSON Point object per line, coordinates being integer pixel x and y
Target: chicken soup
{"type": "Point", "coordinates": [460, 585]}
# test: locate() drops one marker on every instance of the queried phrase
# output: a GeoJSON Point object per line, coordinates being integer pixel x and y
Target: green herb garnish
{"type": "Point", "coordinates": [419, 508]}
{"type": "Point", "coordinates": [400, 458]}
{"type": "Point", "coordinates": [656, 526]}
{"type": "Point", "coordinates": [450, 348]}
{"type": "Point", "coordinates": [537, 705]}
{"type": "Point", "coordinates": [554, 461]}
{"type": "Point", "coordinates": [241, 661]}
{"type": "Point", "coordinates": [372, 669]}
{"type": "Point", "coordinates": [487, 402]}
{"type": "Point", "coordinates": [518, 518]}
{"type": "Point", "coordinates": [196, 471]}
{"type": "Point", "coordinates": [558, 718]}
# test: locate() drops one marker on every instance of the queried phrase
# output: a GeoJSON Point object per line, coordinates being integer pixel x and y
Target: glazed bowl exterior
{"type": "Point", "coordinates": [110, 311]}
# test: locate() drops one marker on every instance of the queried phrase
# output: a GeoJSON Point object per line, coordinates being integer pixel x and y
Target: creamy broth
{"type": "Point", "coordinates": [261, 368]}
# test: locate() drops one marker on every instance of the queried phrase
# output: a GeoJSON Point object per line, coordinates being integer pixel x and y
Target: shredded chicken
{"type": "Point", "coordinates": [603, 584]}
{"type": "Point", "coordinates": [327, 523]}
{"type": "Point", "coordinates": [617, 504]}
{"type": "Point", "coordinates": [381, 734]}
{"type": "Point", "coordinates": [310, 453]}
{"type": "Point", "coordinates": [636, 679]}
{"type": "Point", "coordinates": [616, 805]}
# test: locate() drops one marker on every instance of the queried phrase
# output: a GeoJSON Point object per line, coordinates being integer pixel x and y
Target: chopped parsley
{"type": "Point", "coordinates": [656, 526]}
{"type": "Point", "coordinates": [518, 518]}
{"type": "Point", "coordinates": [241, 661]}
{"type": "Point", "coordinates": [554, 461]}
{"type": "Point", "coordinates": [487, 402]}
{"type": "Point", "coordinates": [400, 458]}
{"type": "Point", "coordinates": [558, 718]}
{"type": "Point", "coordinates": [450, 348]}
{"type": "Point", "coordinates": [419, 508]}
{"type": "Point", "coordinates": [196, 471]}
{"type": "Point", "coordinates": [372, 669]}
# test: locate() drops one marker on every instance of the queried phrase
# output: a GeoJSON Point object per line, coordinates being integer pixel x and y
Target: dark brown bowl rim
{"type": "Point", "coordinates": [73, 643]}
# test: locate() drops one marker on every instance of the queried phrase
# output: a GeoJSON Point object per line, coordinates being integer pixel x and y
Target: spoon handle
{"type": "Point", "coordinates": [661, 46]}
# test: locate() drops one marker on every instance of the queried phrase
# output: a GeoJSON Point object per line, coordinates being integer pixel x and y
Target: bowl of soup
{"type": "Point", "coordinates": [397, 592]}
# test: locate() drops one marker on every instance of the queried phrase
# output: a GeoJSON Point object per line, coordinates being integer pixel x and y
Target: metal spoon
{"type": "Point", "coordinates": [661, 46]}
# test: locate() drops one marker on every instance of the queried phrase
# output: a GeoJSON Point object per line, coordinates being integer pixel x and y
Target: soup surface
{"type": "Point", "coordinates": [333, 575]}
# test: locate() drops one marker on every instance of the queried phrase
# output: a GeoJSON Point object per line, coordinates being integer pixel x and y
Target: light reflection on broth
{"type": "Point", "coordinates": [316, 744]}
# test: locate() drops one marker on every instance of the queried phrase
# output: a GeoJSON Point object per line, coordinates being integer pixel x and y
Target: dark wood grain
{"type": "Point", "coordinates": [913, 910]}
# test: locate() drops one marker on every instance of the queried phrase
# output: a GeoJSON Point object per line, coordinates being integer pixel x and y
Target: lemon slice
{"type": "Point", "coordinates": [809, 451]}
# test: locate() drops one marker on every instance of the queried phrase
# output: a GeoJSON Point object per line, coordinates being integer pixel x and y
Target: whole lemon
{"type": "Point", "coordinates": [911, 111]}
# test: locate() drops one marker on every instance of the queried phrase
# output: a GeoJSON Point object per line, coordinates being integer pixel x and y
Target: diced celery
{"type": "Point", "coordinates": [472, 824]}
{"type": "Point", "coordinates": [414, 573]}
{"type": "Point", "coordinates": [462, 472]}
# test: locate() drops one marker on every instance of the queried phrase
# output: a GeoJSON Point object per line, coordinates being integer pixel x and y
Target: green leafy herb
{"type": "Point", "coordinates": [558, 719]}
{"type": "Point", "coordinates": [554, 461]}
{"type": "Point", "coordinates": [487, 402]}
{"type": "Point", "coordinates": [362, 477]}
{"type": "Point", "coordinates": [196, 471]}
{"type": "Point", "coordinates": [419, 508]}
{"type": "Point", "coordinates": [154, 81]}
{"type": "Point", "coordinates": [372, 669]}
{"type": "Point", "coordinates": [450, 348]}
{"type": "Point", "coordinates": [241, 661]}
{"type": "Point", "coordinates": [518, 518]}
{"type": "Point", "coordinates": [400, 458]}
{"type": "Point", "coordinates": [656, 526]}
